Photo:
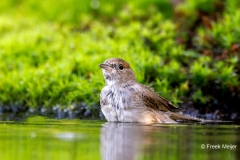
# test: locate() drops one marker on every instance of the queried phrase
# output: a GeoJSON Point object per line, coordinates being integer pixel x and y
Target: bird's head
{"type": "Point", "coordinates": [117, 71]}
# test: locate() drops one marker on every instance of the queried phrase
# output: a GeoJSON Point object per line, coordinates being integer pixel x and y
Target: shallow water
{"type": "Point", "coordinates": [39, 138]}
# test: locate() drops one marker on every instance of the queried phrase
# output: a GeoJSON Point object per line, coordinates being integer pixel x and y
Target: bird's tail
{"type": "Point", "coordinates": [180, 117]}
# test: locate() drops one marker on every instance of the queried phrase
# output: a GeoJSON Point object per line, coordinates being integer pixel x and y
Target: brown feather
{"type": "Point", "coordinates": [181, 117]}
{"type": "Point", "coordinates": [156, 102]}
{"type": "Point", "coordinates": [124, 99]}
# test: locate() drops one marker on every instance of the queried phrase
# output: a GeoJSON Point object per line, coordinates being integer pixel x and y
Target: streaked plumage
{"type": "Point", "coordinates": [123, 99]}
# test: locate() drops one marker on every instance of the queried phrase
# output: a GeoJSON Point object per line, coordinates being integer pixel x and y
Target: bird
{"type": "Point", "coordinates": [123, 99]}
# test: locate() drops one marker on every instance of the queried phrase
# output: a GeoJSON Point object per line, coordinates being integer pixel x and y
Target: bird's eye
{"type": "Point", "coordinates": [120, 66]}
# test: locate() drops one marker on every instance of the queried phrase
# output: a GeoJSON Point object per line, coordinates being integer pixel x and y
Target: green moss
{"type": "Point", "coordinates": [201, 72]}
{"type": "Point", "coordinates": [223, 34]}
{"type": "Point", "coordinates": [50, 50]}
{"type": "Point", "coordinates": [199, 97]}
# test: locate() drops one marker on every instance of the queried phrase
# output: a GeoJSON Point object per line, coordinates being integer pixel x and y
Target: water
{"type": "Point", "coordinates": [39, 138]}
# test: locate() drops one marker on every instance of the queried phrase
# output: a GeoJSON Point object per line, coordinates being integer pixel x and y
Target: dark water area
{"type": "Point", "coordinates": [43, 138]}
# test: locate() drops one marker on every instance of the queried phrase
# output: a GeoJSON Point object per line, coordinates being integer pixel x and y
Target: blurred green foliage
{"type": "Point", "coordinates": [50, 50]}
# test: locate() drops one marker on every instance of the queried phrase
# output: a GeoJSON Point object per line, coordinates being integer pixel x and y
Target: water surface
{"type": "Point", "coordinates": [39, 138]}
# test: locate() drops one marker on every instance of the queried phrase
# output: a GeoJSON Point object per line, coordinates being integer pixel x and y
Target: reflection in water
{"type": "Point", "coordinates": [134, 141]}
{"type": "Point", "coordinates": [40, 138]}
{"type": "Point", "coordinates": [121, 141]}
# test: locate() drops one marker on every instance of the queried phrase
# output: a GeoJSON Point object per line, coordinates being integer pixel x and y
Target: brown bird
{"type": "Point", "coordinates": [123, 99]}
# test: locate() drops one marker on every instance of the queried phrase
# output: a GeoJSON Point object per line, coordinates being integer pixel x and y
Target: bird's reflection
{"type": "Point", "coordinates": [131, 141]}
{"type": "Point", "coordinates": [121, 140]}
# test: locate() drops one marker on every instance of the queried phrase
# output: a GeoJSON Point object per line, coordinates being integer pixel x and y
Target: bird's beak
{"type": "Point", "coordinates": [104, 65]}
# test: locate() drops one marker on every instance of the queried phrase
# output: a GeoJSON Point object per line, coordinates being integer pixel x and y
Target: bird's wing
{"type": "Point", "coordinates": [156, 102]}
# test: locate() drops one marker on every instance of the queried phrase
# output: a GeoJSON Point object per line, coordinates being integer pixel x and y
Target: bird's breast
{"type": "Point", "coordinates": [116, 104]}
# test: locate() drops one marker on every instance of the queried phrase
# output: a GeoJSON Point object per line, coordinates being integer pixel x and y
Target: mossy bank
{"type": "Point", "coordinates": [187, 52]}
